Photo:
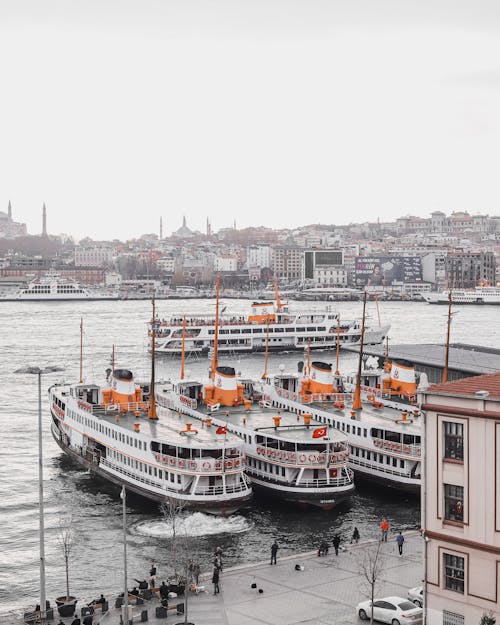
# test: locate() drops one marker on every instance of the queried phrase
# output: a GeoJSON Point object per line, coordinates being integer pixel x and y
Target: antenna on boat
{"type": "Point", "coordinates": [152, 406]}
{"type": "Point", "coordinates": [81, 350]}
{"type": "Point", "coordinates": [113, 357]}
{"type": "Point", "coordinates": [216, 332]}
{"type": "Point", "coordinates": [447, 348]}
{"type": "Point", "coordinates": [264, 375]}
{"type": "Point", "coordinates": [309, 357]}
{"type": "Point", "coordinates": [183, 353]}
{"type": "Point", "coordinates": [337, 372]}
{"type": "Point", "coordinates": [386, 362]}
{"type": "Point", "coordinates": [356, 400]}
{"type": "Point", "coordinates": [278, 298]}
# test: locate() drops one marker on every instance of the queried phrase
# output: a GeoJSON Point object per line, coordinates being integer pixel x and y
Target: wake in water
{"type": "Point", "coordinates": [196, 524]}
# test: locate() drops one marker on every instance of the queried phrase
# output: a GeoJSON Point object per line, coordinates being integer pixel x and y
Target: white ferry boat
{"type": "Point", "coordinates": [289, 455]}
{"type": "Point", "coordinates": [53, 287]}
{"type": "Point", "coordinates": [116, 431]}
{"type": "Point", "coordinates": [270, 326]}
{"type": "Point", "coordinates": [477, 295]}
{"type": "Point", "coordinates": [385, 442]}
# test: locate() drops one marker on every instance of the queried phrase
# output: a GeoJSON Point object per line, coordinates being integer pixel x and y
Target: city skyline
{"type": "Point", "coordinates": [118, 113]}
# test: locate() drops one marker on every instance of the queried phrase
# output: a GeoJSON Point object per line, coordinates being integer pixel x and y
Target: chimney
{"type": "Point", "coordinates": [9, 211]}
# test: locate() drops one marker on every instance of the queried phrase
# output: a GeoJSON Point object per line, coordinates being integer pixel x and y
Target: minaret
{"type": "Point", "coordinates": [184, 221]}
{"type": "Point", "coordinates": [234, 224]}
{"type": "Point", "coordinates": [9, 211]}
{"type": "Point", "coordinates": [44, 221]}
{"type": "Point", "coordinates": [161, 228]}
{"type": "Point", "coordinates": [209, 228]}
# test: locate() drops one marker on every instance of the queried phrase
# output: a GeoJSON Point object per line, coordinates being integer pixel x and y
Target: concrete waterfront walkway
{"type": "Point", "coordinates": [325, 593]}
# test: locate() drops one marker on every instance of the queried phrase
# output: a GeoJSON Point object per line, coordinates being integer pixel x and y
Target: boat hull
{"type": "Point", "coordinates": [218, 508]}
{"type": "Point", "coordinates": [310, 498]}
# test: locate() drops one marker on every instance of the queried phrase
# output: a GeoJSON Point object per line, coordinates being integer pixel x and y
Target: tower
{"type": "Point", "coordinates": [9, 211]}
{"type": "Point", "coordinates": [209, 228]}
{"type": "Point", "coordinates": [161, 228]}
{"type": "Point", "coordinates": [44, 221]}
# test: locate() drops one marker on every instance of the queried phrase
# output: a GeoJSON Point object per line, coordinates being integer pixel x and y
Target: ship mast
{"type": "Point", "coordinates": [278, 298]}
{"type": "Point", "coordinates": [216, 331]}
{"type": "Point", "coordinates": [183, 356]}
{"type": "Point", "coordinates": [447, 348]}
{"type": "Point", "coordinates": [337, 372]}
{"type": "Point", "coordinates": [152, 406]}
{"type": "Point", "coordinates": [81, 350]}
{"type": "Point", "coordinates": [264, 375]}
{"type": "Point", "coordinates": [356, 401]}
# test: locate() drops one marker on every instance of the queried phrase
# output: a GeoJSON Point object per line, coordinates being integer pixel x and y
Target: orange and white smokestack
{"type": "Point", "coordinates": [226, 391]}
{"type": "Point", "coordinates": [321, 378]}
{"type": "Point", "coordinates": [403, 377]}
{"type": "Point", "coordinates": [122, 387]}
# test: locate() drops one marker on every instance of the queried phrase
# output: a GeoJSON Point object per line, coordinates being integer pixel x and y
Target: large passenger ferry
{"type": "Point", "coordinates": [53, 287]}
{"type": "Point", "coordinates": [483, 294]}
{"type": "Point", "coordinates": [270, 325]}
{"type": "Point", "coordinates": [117, 431]}
{"type": "Point", "coordinates": [384, 441]}
{"type": "Point", "coordinates": [289, 454]}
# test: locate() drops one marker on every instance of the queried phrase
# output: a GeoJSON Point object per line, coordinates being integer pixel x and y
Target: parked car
{"type": "Point", "coordinates": [416, 596]}
{"type": "Point", "coordinates": [392, 610]}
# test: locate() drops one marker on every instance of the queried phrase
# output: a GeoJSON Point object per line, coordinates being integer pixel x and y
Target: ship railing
{"type": "Point", "coordinates": [332, 482]}
{"type": "Point", "coordinates": [303, 458]}
{"type": "Point", "coordinates": [379, 468]}
{"type": "Point", "coordinates": [221, 490]}
{"type": "Point", "coordinates": [414, 451]}
{"type": "Point", "coordinates": [201, 465]}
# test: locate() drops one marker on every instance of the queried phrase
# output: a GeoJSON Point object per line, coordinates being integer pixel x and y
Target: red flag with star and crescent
{"type": "Point", "coordinates": [320, 432]}
{"type": "Point", "coordinates": [222, 429]}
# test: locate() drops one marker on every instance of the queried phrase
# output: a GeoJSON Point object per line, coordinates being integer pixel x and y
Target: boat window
{"type": "Point", "coordinates": [301, 329]}
{"type": "Point", "coordinates": [155, 446]}
{"type": "Point", "coordinates": [394, 437]}
{"type": "Point", "coordinates": [408, 439]}
{"type": "Point", "coordinates": [257, 330]}
{"type": "Point", "coordinates": [279, 330]}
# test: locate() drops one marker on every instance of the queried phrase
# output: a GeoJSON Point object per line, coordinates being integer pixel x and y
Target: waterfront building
{"type": "Point", "coordinates": [461, 500]}
{"type": "Point", "coordinates": [93, 256]}
{"type": "Point", "coordinates": [287, 262]}
{"type": "Point", "coordinates": [467, 269]}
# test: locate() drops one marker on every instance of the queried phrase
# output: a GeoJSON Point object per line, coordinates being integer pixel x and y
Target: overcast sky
{"type": "Point", "coordinates": [270, 112]}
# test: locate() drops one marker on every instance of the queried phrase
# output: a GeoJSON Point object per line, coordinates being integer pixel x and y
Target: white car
{"type": "Point", "coordinates": [392, 610]}
{"type": "Point", "coordinates": [416, 596]}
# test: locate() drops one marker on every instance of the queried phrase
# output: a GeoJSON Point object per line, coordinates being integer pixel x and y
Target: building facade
{"type": "Point", "coordinates": [468, 269]}
{"type": "Point", "coordinates": [461, 500]}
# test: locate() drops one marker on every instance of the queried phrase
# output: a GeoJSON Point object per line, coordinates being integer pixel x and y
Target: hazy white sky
{"type": "Point", "coordinates": [270, 112]}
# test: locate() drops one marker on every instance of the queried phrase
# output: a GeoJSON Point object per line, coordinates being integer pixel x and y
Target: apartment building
{"type": "Point", "coordinates": [461, 500]}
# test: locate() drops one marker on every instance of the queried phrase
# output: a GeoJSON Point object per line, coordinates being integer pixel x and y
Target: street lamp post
{"type": "Point", "coordinates": [39, 372]}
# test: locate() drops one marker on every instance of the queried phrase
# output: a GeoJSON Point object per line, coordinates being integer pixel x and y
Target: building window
{"type": "Point", "coordinates": [454, 573]}
{"type": "Point", "coordinates": [453, 503]}
{"type": "Point", "coordinates": [453, 440]}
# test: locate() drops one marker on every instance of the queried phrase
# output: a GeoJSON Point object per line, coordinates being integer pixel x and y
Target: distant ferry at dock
{"type": "Point", "coordinates": [109, 430]}
{"type": "Point", "coordinates": [270, 325]}
{"type": "Point", "coordinates": [289, 455]}
{"type": "Point", "coordinates": [53, 287]}
{"type": "Point", "coordinates": [477, 295]}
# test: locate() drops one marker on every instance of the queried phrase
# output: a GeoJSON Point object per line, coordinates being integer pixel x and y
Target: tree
{"type": "Point", "coordinates": [66, 539]}
{"type": "Point", "coordinates": [371, 567]}
{"type": "Point", "coordinates": [180, 548]}
{"type": "Point", "coordinates": [488, 619]}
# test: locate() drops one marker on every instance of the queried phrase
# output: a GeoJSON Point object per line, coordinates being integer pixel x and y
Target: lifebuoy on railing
{"type": "Point", "coordinates": [181, 463]}
{"type": "Point", "coordinates": [302, 458]}
{"type": "Point", "coordinates": [228, 464]}
{"type": "Point", "coordinates": [236, 463]}
{"type": "Point", "coordinates": [157, 456]}
{"type": "Point", "coordinates": [205, 466]}
{"type": "Point", "coordinates": [218, 464]}
{"type": "Point", "coordinates": [164, 459]}
{"type": "Point", "coordinates": [171, 461]}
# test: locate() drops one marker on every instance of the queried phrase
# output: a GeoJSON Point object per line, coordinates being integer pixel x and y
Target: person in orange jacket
{"type": "Point", "coordinates": [384, 528]}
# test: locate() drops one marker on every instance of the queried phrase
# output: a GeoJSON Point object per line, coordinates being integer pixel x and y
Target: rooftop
{"type": "Point", "coordinates": [468, 387]}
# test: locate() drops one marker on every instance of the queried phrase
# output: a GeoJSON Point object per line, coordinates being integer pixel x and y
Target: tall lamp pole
{"type": "Point", "coordinates": [38, 371]}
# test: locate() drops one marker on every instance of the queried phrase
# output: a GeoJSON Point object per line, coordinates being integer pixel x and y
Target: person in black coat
{"type": "Point", "coordinates": [163, 591]}
{"type": "Point", "coordinates": [215, 580]}
{"type": "Point", "coordinates": [274, 551]}
{"type": "Point", "coordinates": [336, 544]}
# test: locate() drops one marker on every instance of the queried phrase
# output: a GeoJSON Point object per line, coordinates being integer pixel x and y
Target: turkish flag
{"type": "Point", "coordinates": [222, 429]}
{"type": "Point", "coordinates": [320, 432]}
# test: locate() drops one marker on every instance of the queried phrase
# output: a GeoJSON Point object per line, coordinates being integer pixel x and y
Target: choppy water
{"type": "Point", "coordinates": [48, 334]}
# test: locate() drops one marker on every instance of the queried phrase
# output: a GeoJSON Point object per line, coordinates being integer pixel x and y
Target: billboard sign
{"type": "Point", "coordinates": [385, 270]}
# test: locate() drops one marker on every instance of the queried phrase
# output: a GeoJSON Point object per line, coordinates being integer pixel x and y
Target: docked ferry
{"type": "Point", "coordinates": [477, 295]}
{"type": "Point", "coordinates": [384, 437]}
{"type": "Point", "coordinates": [53, 287]}
{"type": "Point", "coordinates": [289, 454]}
{"type": "Point", "coordinates": [270, 326]}
{"type": "Point", "coordinates": [116, 431]}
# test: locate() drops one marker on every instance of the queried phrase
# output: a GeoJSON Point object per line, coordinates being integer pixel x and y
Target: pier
{"type": "Point", "coordinates": [326, 592]}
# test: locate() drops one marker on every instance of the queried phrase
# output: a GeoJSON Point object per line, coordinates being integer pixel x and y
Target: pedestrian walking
{"type": "Point", "coordinates": [215, 581]}
{"type": "Point", "coordinates": [400, 539]}
{"type": "Point", "coordinates": [274, 551]}
{"type": "Point", "coordinates": [218, 557]}
{"type": "Point", "coordinates": [384, 528]}
{"type": "Point", "coordinates": [355, 536]}
{"type": "Point", "coordinates": [196, 572]}
{"type": "Point", "coordinates": [336, 544]}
